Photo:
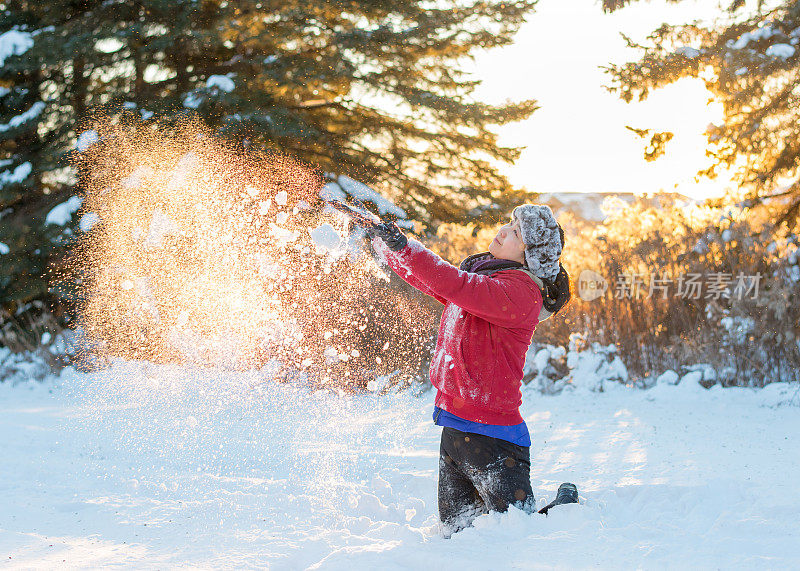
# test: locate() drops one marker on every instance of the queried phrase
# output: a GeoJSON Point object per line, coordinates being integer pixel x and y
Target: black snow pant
{"type": "Point", "coordinates": [479, 474]}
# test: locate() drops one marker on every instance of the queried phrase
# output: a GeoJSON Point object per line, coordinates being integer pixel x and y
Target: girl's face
{"type": "Point", "coordinates": [508, 244]}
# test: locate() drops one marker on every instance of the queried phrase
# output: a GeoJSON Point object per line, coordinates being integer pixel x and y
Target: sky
{"type": "Point", "coordinates": [577, 140]}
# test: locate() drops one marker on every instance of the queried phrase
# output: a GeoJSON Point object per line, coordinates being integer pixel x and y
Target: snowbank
{"type": "Point", "coordinates": [22, 368]}
{"type": "Point", "coordinates": [162, 466]}
{"type": "Point", "coordinates": [581, 366]}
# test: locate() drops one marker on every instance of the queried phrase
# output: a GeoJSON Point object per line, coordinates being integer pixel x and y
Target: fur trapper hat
{"type": "Point", "coordinates": [543, 238]}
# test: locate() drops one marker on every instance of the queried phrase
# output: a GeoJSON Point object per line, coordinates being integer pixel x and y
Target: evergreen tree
{"type": "Point", "coordinates": [373, 90]}
{"type": "Point", "coordinates": [749, 59]}
{"type": "Point", "coordinates": [25, 242]}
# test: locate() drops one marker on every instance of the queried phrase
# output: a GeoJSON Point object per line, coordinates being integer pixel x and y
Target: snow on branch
{"type": "Point", "coordinates": [62, 213]}
{"type": "Point", "coordinates": [14, 43]}
{"type": "Point", "coordinates": [19, 174]}
{"type": "Point", "coordinates": [31, 113]}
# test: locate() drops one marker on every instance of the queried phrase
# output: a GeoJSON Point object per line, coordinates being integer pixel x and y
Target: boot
{"type": "Point", "coordinates": [567, 494]}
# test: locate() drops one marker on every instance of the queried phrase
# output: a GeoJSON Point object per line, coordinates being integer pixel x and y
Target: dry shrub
{"type": "Point", "coordinates": [751, 338]}
{"type": "Point", "coordinates": [26, 339]}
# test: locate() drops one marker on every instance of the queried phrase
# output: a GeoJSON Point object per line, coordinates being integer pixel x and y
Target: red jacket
{"type": "Point", "coordinates": [486, 329]}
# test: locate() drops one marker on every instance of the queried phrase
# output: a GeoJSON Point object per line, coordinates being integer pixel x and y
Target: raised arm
{"type": "Point", "coordinates": [402, 270]}
{"type": "Point", "coordinates": [508, 299]}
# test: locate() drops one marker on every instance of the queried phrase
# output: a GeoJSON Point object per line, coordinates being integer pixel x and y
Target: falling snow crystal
{"type": "Point", "coordinates": [88, 221]}
{"type": "Point", "coordinates": [283, 236]}
{"type": "Point", "coordinates": [185, 165]}
{"type": "Point", "coordinates": [325, 237]}
{"type": "Point", "coordinates": [86, 140]}
{"type": "Point", "coordinates": [135, 179]}
{"type": "Point", "coordinates": [160, 226]}
{"type": "Point", "coordinates": [331, 354]}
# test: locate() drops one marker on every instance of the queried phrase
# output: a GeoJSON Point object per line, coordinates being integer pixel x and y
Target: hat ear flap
{"type": "Point", "coordinates": [557, 293]}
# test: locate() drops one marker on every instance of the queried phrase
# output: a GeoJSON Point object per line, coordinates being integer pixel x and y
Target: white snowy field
{"type": "Point", "coordinates": [152, 466]}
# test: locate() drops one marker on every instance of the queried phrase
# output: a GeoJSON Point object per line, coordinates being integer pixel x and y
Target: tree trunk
{"type": "Point", "coordinates": [79, 88]}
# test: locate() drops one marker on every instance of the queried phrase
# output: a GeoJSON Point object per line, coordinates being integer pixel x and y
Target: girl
{"type": "Point", "coordinates": [493, 302]}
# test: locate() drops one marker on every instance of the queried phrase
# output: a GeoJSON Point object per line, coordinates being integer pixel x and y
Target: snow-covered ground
{"type": "Point", "coordinates": [153, 466]}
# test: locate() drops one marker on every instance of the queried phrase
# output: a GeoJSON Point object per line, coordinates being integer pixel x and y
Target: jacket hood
{"type": "Point", "coordinates": [543, 313]}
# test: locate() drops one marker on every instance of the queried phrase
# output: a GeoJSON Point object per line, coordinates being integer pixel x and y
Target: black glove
{"type": "Point", "coordinates": [392, 236]}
